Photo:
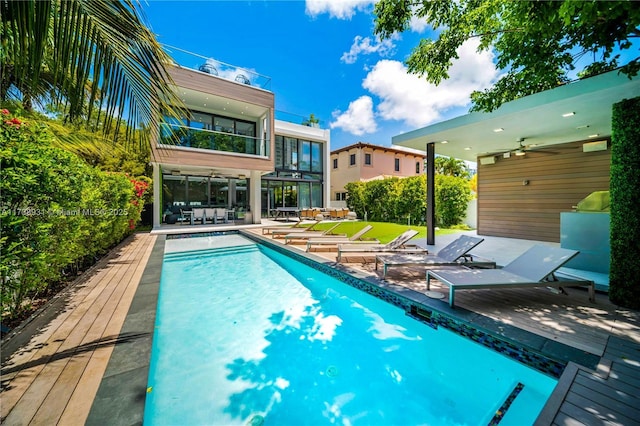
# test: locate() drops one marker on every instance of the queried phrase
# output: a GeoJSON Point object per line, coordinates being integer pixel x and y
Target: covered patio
{"type": "Point", "coordinates": [537, 156]}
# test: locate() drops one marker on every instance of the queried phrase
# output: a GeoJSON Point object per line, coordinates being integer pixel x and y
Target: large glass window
{"type": "Point", "coordinates": [290, 153]}
{"type": "Point", "coordinates": [316, 194]}
{"type": "Point", "coordinates": [197, 191]}
{"type": "Point", "coordinates": [290, 194]}
{"type": "Point", "coordinates": [223, 124]}
{"type": "Point", "coordinates": [305, 196]}
{"type": "Point", "coordinates": [305, 155]}
{"type": "Point", "coordinates": [279, 160]}
{"type": "Point", "coordinates": [297, 180]}
{"type": "Point", "coordinates": [242, 195]}
{"type": "Point", "coordinates": [316, 157]}
{"type": "Point", "coordinates": [174, 191]}
{"type": "Point", "coordinates": [219, 192]}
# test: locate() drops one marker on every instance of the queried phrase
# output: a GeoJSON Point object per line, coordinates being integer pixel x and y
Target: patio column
{"type": "Point", "coordinates": [431, 197]}
{"type": "Point", "coordinates": [255, 185]}
{"type": "Point", "coordinates": [158, 208]}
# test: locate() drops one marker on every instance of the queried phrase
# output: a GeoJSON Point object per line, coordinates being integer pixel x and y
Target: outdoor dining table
{"type": "Point", "coordinates": [286, 212]}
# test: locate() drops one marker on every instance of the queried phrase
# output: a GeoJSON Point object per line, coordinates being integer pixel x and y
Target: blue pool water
{"type": "Point", "coordinates": [249, 336]}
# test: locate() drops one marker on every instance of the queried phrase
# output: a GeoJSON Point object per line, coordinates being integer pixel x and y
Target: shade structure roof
{"type": "Point", "coordinates": [580, 110]}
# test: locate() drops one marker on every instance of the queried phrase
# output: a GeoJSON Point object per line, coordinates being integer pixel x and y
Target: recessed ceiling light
{"type": "Point", "coordinates": [568, 114]}
{"type": "Point", "coordinates": [499, 129]}
{"type": "Point", "coordinates": [595, 135]}
{"type": "Point", "coordinates": [468, 148]}
{"type": "Point", "coordinates": [444, 142]}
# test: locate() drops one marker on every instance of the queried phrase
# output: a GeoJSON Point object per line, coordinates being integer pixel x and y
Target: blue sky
{"type": "Point", "coordinates": [323, 58]}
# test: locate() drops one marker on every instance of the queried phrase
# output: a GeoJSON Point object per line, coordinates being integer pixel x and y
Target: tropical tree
{"type": "Point", "coordinates": [537, 43]}
{"type": "Point", "coordinates": [451, 166]}
{"type": "Point", "coordinates": [94, 60]}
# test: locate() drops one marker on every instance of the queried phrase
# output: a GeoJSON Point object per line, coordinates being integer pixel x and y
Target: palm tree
{"type": "Point", "coordinates": [451, 166]}
{"type": "Point", "coordinates": [95, 60]}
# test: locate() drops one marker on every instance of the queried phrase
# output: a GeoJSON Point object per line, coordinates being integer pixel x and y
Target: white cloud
{"type": "Point", "coordinates": [365, 45]}
{"type": "Point", "coordinates": [340, 9]}
{"type": "Point", "coordinates": [358, 119]}
{"type": "Point", "coordinates": [409, 98]}
{"type": "Point", "coordinates": [418, 25]}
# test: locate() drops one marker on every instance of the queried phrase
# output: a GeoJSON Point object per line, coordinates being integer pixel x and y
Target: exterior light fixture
{"type": "Point", "coordinates": [498, 130]}
{"type": "Point", "coordinates": [568, 114]}
{"type": "Point", "coordinates": [444, 142]}
{"type": "Point", "coordinates": [595, 135]}
{"type": "Point", "coordinates": [468, 148]}
{"type": "Point", "coordinates": [520, 152]}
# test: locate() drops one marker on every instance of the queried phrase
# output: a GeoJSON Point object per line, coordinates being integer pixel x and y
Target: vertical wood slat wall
{"type": "Point", "coordinates": [558, 178]}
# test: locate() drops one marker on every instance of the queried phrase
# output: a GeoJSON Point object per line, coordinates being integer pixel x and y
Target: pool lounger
{"type": "Point", "coordinates": [455, 253]}
{"type": "Point", "coordinates": [311, 234]}
{"type": "Point", "coordinates": [335, 239]}
{"type": "Point", "coordinates": [397, 245]}
{"type": "Point", "coordinates": [279, 231]}
{"type": "Point", "coordinates": [534, 268]}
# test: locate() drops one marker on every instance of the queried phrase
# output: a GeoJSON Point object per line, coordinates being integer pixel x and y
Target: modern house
{"type": "Point", "coordinates": [363, 161]}
{"type": "Point", "coordinates": [229, 150]}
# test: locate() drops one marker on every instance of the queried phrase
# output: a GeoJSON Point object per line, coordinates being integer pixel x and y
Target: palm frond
{"type": "Point", "coordinates": [55, 48]}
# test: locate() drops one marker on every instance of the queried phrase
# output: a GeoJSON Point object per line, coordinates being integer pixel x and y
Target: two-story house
{"type": "Point", "coordinates": [229, 150]}
{"type": "Point", "coordinates": [363, 161]}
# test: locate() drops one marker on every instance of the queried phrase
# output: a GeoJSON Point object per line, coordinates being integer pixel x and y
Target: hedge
{"type": "Point", "coordinates": [624, 279]}
{"type": "Point", "coordinates": [57, 212]}
{"type": "Point", "coordinates": [404, 199]}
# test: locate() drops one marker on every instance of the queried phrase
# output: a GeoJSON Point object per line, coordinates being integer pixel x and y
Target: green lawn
{"type": "Point", "coordinates": [382, 231]}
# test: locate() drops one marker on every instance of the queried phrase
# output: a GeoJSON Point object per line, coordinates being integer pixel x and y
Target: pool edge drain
{"type": "Point", "coordinates": [500, 413]}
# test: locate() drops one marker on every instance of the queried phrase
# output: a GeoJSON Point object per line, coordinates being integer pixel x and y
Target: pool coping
{"type": "Point", "coordinates": [121, 395]}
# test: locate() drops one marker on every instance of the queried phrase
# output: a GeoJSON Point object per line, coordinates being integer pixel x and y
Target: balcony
{"type": "Point", "coordinates": [310, 120]}
{"type": "Point", "coordinates": [218, 68]}
{"type": "Point", "coordinates": [189, 137]}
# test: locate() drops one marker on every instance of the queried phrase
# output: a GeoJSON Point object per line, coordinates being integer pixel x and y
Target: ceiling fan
{"type": "Point", "coordinates": [523, 148]}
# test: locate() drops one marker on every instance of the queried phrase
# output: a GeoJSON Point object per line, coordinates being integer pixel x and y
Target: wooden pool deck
{"type": "Point", "coordinates": [51, 374]}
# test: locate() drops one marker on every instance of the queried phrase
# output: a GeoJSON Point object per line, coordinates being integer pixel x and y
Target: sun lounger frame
{"type": "Point", "coordinates": [507, 278]}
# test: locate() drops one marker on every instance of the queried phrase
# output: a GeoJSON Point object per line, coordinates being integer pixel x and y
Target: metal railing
{"type": "Point", "coordinates": [218, 68]}
{"type": "Point", "coordinates": [189, 137]}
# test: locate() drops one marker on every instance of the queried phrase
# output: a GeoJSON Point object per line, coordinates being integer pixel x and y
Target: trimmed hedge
{"type": "Point", "coordinates": [396, 200]}
{"type": "Point", "coordinates": [57, 212]}
{"type": "Point", "coordinates": [624, 277]}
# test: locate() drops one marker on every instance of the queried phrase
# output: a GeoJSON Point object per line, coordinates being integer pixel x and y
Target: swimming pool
{"type": "Point", "coordinates": [247, 335]}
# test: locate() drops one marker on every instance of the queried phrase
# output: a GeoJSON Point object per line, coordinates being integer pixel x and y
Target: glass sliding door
{"type": "Point", "coordinates": [197, 191]}
{"type": "Point", "coordinates": [316, 194]}
{"type": "Point", "coordinates": [304, 199]}
{"type": "Point", "coordinates": [219, 192]}
{"type": "Point", "coordinates": [174, 191]}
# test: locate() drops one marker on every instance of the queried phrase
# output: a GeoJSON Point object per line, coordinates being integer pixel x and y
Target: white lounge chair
{"type": "Point", "coordinates": [533, 268]}
{"type": "Point", "coordinates": [397, 245]}
{"type": "Point", "coordinates": [280, 230]}
{"type": "Point", "coordinates": [455, 253]}
{"type": "Point", "coordinates": [334, 240]}
{"type": "Point", "coordinates": [311, 234]}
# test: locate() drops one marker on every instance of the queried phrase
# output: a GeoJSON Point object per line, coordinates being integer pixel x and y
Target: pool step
{"type": "Point", "coordinates": [217, 251]}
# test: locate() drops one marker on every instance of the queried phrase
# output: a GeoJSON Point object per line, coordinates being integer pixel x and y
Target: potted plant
{"type": "Point", "coordinates": [312, 121]}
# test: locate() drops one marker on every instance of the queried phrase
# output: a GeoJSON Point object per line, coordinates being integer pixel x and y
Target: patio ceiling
{"type": "Point", "coordinates": [576, 111]}
{"type": "Point", "coordinates": [207, 102]}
